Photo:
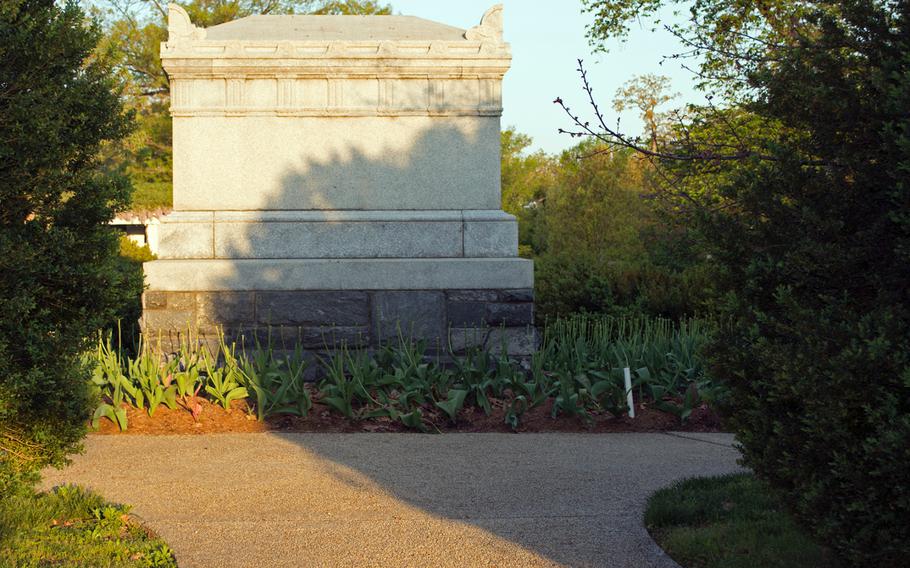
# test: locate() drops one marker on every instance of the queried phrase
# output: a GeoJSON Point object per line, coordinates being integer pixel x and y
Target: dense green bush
{"type": "Point", "coordinates": [600, 243]}
{"type": "Point", "coordinates": [816, 263]}
{"type": "Point", "coordinates": [802, 193]}
{"type": "Point", "coordinates": [59, 280]}
{"type": "Point", "coordinates": [125, 323]}
{"type": "Point", "coordinates": [566, 283]}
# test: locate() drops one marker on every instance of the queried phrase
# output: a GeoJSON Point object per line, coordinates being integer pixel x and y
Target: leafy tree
{"type": "Point", "coordinates": [597, 206]}
{"type": "Point", "coordinates": [807, 164]}
{"type": "Point", "coordinates": [588, 221]}
{"type": "Point", "coordinates": [134, 33]}
{"type": "Point", "coordinates": [590, 217]}
{"type": "Point", "coordinates": [60, 280]}
{"type": "Point", "coordinates": [526, 177]}
{"type": "Point", "coordinates": [646, 93]}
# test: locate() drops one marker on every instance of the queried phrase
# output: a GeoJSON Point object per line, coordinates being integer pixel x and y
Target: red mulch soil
{"type": "Point", "coordinates": [242, 418]}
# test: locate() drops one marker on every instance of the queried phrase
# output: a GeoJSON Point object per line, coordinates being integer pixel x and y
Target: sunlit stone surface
{"type": "Point", "coordinates": [337, 153]}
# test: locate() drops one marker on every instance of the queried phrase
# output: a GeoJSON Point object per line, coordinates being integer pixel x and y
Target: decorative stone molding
{"type": "Point", "coordinates": [180, 28]}
{"type": "Point", "coordinates": [389, 77]}
{"type": "Point", "coordinates": [365, 96]}
{"type": "Point", "coordinates": [410, 53]}
{"type": "Point", "coordinates": [490, 28]}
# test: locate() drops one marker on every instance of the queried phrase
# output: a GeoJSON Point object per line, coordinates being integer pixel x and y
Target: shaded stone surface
{"type": "Point", "coordinates": [219, 308]}
{"type": "Point", "coordinates": [462, 339]}
{"type": "Point", "coordinates": [486, 239]}
{"type": "Point", "coordinates": [152, 300]}
{"type": "Point", "coordinates": [417, 314]}
{"type": "Point", "coordinates": [158, 321]}
{"type": "Point", "coordinates": [467, 314]}
{"type": "Point", "coordinates": [312, 308]}
{"type": "Point", "coordinates": [318, 320]}
{"type": "Point", "coordinates": [283, 274]}
{"type": "Point", "coordinates": [519, 295]}
{"type": "Point", "coordinates": [509, 314]}
{"type": "Point", "coordinates": [473, 295]}
{"type": "Point", "coordinates": [516, 341]}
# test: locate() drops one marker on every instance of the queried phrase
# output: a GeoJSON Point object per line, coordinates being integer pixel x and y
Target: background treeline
{"type": "Point", "coordinates": [601, 239]}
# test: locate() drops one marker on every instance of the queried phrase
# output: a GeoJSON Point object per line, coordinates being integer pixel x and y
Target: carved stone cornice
{"type": "Point", "coordinates": [187, 47]}
{"type": "Point", "coordinates": [231, 77]}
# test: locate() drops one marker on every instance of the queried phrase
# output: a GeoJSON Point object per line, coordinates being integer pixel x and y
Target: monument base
{"type": "Point", "coordinates": [452, 304]}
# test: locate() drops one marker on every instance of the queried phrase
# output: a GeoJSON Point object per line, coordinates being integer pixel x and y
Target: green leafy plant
{"type": "Point", "coordinates": [187, 379]}
{"type": "Point", "coordinates": [414, 420]}
{"type": "Point", "coordinates": [338, 388]}
{"type": "Point", "coordinates": [453, 403]}
{"type": "Point", "coordinates": [579, 367]}
{"type": "Point", "coordinates": [112, 408]}
{"type": "Point", "coordinates": [223, 383]}
{"type": "Point", "coordinates": [277, 385]}
{"type": "Point", "coordinates": [529, 389]}
{"type": "Point", "coordinates": [145, 372]}
{"type": "Point", "coordinates": [476, 373]}
{"type": "Point", "coordinates": [111, 385]}
{"type": "Point", "coordinates": [592, 351]}
{"type": "Point", "coordinates": [70, 526]}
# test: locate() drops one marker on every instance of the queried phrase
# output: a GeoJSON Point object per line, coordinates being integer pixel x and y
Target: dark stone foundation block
{"type": "Point", "coordinates": [323, 320]}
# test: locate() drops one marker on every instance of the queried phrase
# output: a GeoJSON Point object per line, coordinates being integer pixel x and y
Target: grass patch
{"type": "Point", "coordinates": [152, 195]}
{"type": "Point", "coordinates": [71, 526]}
{"type": "Point", "coordinates": [732, 521]}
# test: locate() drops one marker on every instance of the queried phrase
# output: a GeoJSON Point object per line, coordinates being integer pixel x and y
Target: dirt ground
{"type": "Point", "coordinates": [241, 418]}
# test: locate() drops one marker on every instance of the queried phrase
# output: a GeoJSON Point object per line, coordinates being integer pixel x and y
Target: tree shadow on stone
{"type": "Point", "coordinates": [399, 197]}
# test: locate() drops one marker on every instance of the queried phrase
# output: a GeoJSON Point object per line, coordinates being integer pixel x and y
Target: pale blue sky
{"type": "Point", "coordinates": [547, 38]}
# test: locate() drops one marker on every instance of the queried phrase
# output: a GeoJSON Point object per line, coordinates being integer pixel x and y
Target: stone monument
{"type": "Point", "coordinates": [338, 178]}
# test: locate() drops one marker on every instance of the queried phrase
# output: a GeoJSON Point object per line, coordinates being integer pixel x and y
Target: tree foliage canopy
{"type": "Point", "coordinates": [806, 167]}
{"type": "Point", "coordinates": [59, 275]}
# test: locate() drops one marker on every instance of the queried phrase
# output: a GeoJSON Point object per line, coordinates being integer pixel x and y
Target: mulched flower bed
{"type": "Point", "coordinates": [240, 419]}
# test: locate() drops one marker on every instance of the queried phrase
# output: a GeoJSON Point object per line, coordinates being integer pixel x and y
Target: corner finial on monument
{"type": "Point", "coordinates": [180, 27]}
{"type": "Point", "coordinates": [490, 28]}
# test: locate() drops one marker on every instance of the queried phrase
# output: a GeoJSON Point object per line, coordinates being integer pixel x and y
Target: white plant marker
{"type": "Point", "coordinates": [629, 400]}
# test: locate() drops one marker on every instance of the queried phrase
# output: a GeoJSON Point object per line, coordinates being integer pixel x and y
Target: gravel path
{"type": "Point", "coordinates": [523, 500]}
